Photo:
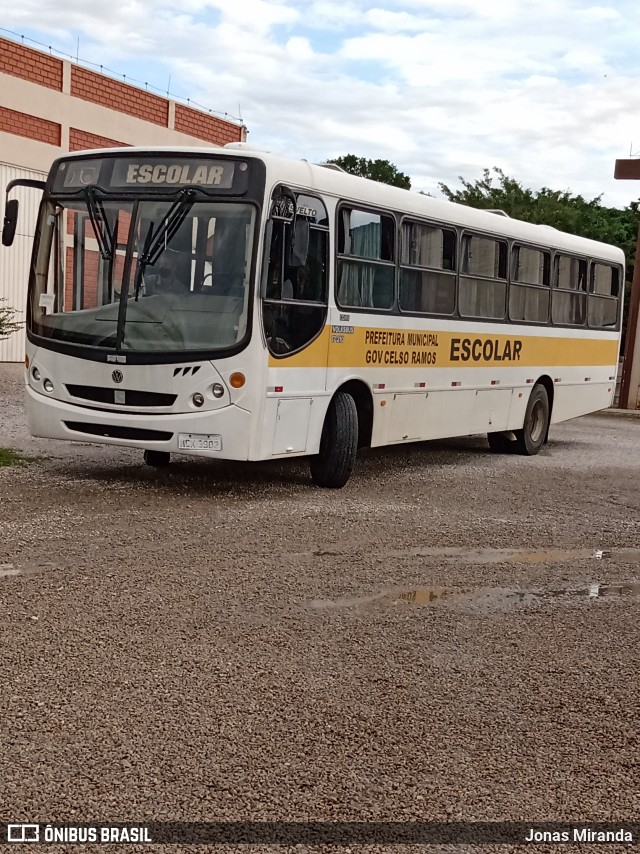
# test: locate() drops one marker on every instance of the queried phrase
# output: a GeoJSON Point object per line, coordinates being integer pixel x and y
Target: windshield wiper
{"type": "Point", "coordinates": [104, 235]}
{"type": "Point", "coordinates": [157, 240]}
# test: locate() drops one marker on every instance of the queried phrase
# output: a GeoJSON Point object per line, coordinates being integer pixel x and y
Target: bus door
{"type": "Point", "coordinates": [294, 313]}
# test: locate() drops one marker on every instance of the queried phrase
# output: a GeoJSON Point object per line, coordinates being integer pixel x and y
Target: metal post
{"type": "Point", "coordinates": [630, 341]}
{"type": "Point", "coordinates": [629, 170]}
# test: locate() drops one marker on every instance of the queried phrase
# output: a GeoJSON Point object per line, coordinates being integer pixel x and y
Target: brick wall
{"type": "Point", "coordinates": [118, 96]}
{"type": "Point", "coordinates": [79, 140]}
{"type": "Point", "coordinates": [204, 126]}
{"type": "Point", "coordinates": [21, 61]}
{"type": "Point", "coordinates": [22, 124]}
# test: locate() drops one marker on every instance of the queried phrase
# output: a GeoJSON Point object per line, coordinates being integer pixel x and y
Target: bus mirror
{"type": "Point", "coordinates": [299, 247]}
{"type": "Point", "coordinates": [10, 222]}
{"type": "Point", "coordinates": [283, 204]}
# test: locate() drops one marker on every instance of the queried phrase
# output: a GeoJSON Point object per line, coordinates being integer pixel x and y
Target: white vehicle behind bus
{"type": "Point", "coordinates": [236, 305]}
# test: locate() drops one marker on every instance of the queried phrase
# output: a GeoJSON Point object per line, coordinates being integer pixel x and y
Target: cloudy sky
{"type": "Point", "coordinates": [548, 90]}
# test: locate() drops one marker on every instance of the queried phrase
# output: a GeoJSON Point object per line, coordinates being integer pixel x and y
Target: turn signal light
{"type": "Point", "coordinates": [237, 380]}
{"type": "Point", "coordinates": [26, 362]}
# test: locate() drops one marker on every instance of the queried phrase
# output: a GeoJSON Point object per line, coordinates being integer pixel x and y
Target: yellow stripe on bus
{"type": "Point", "coordinates": [361, 347]}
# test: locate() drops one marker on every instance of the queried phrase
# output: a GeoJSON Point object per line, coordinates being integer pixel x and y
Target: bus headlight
{"type": "Point", "coordinates": [35, 373]}
{"type": "Point", "coordinates": [47, 385]}
{"type": "Point", "coordinates": [217, 390]}
{"type": "Point", "coordinates": [198, 399]}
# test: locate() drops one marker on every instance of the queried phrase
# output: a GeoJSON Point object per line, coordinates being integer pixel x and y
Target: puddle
{"type": "Point", "coordinates": [489, 597]}
{"type": "Point", "coordinates": [7, 570]}
{"type": "Point", "coordinates": [482, 556]}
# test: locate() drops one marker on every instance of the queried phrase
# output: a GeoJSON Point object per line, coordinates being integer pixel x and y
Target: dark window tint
{"type": "Point", "coordinates": [294, 308]}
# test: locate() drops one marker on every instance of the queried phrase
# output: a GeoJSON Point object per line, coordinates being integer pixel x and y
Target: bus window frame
{"type": "Point", "coordinates": [549, 253]}
{"type": "Point", "coordinates": [555, 289]}
{"type": "Point", "coordinates": [355, 204]}
{"type": "Point", "coordinates": [472, 232]}
{"type": "Point", "coordinates": [429, 223]}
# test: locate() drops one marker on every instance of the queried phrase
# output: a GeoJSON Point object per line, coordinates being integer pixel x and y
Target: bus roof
{"type": "Point", "coordinates": [341, 185]}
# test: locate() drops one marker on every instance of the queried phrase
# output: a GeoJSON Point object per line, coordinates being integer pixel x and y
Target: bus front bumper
{"type": "Point", "coordinates": [228, 428]}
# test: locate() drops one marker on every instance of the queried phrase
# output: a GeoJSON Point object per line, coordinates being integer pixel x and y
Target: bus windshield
{"type": "Point", "coordinates": [143, 274]}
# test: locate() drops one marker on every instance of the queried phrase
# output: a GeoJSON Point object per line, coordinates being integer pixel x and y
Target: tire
{"type": "Point", "coordinates": [333, 464]}
{"type": "Point", "coordinates": [500, 444]}
{"type": "Point", "coordinates": [157, 459]}
{"type": "Point", "coordinates": [534, 432]}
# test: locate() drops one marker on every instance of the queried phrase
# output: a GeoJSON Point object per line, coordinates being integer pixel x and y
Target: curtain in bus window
{"type": "Point", "coordinates": [528, 304]}
{"type": "Point", "coordinates": [602, 311]}
{"type": "Point", "coordinates": [427, 291]}
{"type": "Point", "coordinates": [365, 284]}
{"type": "Point", "coordinates": [486, 296]}
{"type": "Point", "coordinates": [568, 308]}
{"type": "Point", "coordinates": [370, 237]}
{"type": "Point", "coordinates": [482, 298]}
{"type": "Point", "coordinates": [602, 308]}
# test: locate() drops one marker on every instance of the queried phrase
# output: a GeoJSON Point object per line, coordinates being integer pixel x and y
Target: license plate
{"type": "Point", "coordinates": [199, 442]}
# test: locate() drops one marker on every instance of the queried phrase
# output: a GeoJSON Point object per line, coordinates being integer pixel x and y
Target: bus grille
{"type": "Point", "coordinates": [112, 431]}
{"type": "Point", "coordinates": [131, 397]}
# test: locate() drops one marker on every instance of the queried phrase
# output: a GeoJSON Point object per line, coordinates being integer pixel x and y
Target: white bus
{"type": "Point", "coordinates": [227, 303]}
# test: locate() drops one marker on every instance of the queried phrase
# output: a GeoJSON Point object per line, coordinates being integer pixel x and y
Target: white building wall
{"type": "Point", "coordinates": [15, 260]}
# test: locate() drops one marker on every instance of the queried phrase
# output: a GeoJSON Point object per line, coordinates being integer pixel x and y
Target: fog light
{"type": "Point", "coordinates": [47, 385]}
{"type": "Point", "coordinates": [217, 390]}
{"type": "Point", "coordinates": [35, 373]}
{"type": "Point", "coordinates": [237, 380]}
{"type": "Point", "coordinates": [198, 399]}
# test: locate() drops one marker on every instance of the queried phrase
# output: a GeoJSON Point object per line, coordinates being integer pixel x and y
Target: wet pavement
{"type": "Point", "coordinates": [453, 636]}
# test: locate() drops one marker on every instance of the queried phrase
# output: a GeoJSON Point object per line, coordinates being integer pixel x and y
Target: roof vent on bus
{"type": "Point", "coordinates": [333, 166]}
{"type": "Point", "coordinates": [245, 146]}
{"type": "Point", "coordinates": [498, 212]}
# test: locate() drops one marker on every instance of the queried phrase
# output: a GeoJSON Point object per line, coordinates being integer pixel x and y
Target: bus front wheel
{"type": "Point", "coordinates": [157, 459]}
{"type": "Point", "coordinates": [533, 435]}
{"type": "Point", "coordinates": [333, 464]}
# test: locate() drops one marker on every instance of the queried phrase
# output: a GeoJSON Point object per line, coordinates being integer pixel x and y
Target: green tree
{"type": "Point", "coordinates": [377, 170]}
{"type": "Point", "coordinates": [558, 208]}
{"type": "Point", "coordinates": [8, 323]}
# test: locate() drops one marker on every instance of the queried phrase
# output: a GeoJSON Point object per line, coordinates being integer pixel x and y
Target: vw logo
{"type": "Point", "coordinates": [117, 376]}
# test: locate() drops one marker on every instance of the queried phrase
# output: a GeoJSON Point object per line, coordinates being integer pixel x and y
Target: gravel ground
{"type": "Point", "coordinates": [215, 641]}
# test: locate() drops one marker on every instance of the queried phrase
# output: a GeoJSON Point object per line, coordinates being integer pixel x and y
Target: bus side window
{"type": "Point", "coordinates": [569, 296]}
{"type": "Point", "coordinates": [294, 307]}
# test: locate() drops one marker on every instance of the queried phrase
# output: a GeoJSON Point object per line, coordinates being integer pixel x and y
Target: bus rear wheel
{"type": "Point", "coordinates": [333, 464]}
{"type": "Point", "coordinates": [534, 432]}
{"type": "Point", "coordinates": [157, 459]}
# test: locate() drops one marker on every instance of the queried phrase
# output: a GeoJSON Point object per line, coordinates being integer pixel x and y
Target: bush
{"type": "Point", "coordinates": [8, 323]}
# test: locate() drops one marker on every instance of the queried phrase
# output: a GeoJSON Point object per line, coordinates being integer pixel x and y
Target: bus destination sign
{"type": "Point", "coordinates": [171, 172]}
{"type": "Point", "coordinates": [157, 173]}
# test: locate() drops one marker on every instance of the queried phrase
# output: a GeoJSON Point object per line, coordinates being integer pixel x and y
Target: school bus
{"type": "Point", "coordinates": [231, 304]}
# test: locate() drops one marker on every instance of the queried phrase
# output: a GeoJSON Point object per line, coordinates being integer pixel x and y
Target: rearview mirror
{"type": "Point", "coordinates": [10, 222]}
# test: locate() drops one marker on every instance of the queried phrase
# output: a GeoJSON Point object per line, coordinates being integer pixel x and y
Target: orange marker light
{"type": "Point", "coordinates": [26, 362]}
{"type": "Point", "coordinates": [237, 380]}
